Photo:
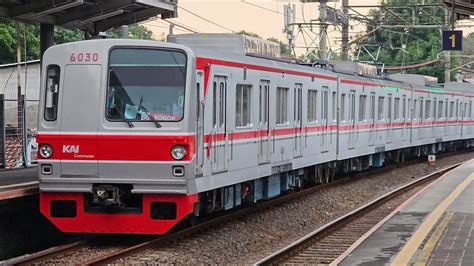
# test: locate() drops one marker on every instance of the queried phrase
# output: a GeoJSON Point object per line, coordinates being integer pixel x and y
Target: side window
{"type": "Point", "coordinates": [282, 106]}
{"type": "Point", "coordinates": [222, 104]}
{"type": "Point", "coordinates": [428, 109]}
{"type": "Point", "coordinates": [451, 110]}
{"type": "Point", "coordinates": [421, 116]}
{"type": "Point", "coordinates": [415, 109]}
{"type": "Point", "coordinates": [242, 106]}
{"type": "Point", "coordinates": [362, 107]}
{"type": "Point", "coordinates": [312, 100]}
{"type": "Point", "coordinates": [52, 93]}
{"type": "Point", "coordinates": [440, 109]}
{"type": "Point", "coordinates": [334, 106]}
{"type": "Point", "coordinates": [396, 109]}
{"type": "Point", "coordinates": [389, 107]}
{"type": "Point", "coordinates": [381, 107]}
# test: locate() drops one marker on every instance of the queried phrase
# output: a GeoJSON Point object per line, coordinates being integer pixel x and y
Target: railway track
{"type": "Point", "coordinates": [112, 252]}
{"type": "Point", "coordinates": [330, 243]}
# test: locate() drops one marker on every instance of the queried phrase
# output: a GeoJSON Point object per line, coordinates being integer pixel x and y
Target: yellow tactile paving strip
{"type": "Point", "coordinates": [405, 255]}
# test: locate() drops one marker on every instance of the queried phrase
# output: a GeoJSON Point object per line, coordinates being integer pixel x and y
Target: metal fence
{"type": "Point", "coordinates": [18, 119]}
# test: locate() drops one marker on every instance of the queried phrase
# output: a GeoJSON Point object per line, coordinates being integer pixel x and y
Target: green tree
{"type": "Point", "coordinates": [135, 31]}
{"type": "Point", "coordinates": [29, 34]}
{"type": "Point", "coordinates": [406, 46]}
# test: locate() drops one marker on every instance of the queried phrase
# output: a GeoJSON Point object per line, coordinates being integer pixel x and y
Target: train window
{"type": "Point", "coordinates": [352, 106]}
{"type": "Point", "coordinates": [470, 109]}
{"type": "Point", "coordinates": [435, 110]}
{"type": "Point", "coordinates": [242, 106]}
{"type": "Point", "coordinates": [427, 109]}
{"type": "Point", "coordinates": [396, 109]}
{"type": "Point", "coordinates": [312, 100]}
{"type": "Point", "coordinates": [362, 107]}
{"type": "Point", "coordinates": [52, 92]}
{"type": "Point", "coordinates": [465, 111]}
{"type": "Point", "coordinates": [457, 109]}
{"type": "Point", "coordinates": [146, 84]}
{"type": "Point", "coordinates": [404, 108]}
{"type": "Point", "coordinates": [222, 103]}
{"type": "Point", "coordinates": [451, 110]}
{"type": "Point", "coordinates": [324, 105]}
{"type": "Point", "coordinates": [282, 106]}
{"type": "Point", "coordinates": [381, 107]}
{"type": "Point", "coordinates": [440, 109]}
{"type": "Point", "coordinates": [343, 107]}
{"type": "Point", "coordinates": [372, 107]}
{"type": "Point", "coordinates": [334, 106]}
{"type": "Point", "coordinates": [420, 114]}
{"type": "Point", "coordinates": [214, 104]}
{"type": "Point", "coordinates": [415, 109]}
{"type": "Point", "coordinates": [389, 107]}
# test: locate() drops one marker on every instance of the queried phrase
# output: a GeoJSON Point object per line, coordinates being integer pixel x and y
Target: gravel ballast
{"type": "Point", "coordinates": [250, 238]}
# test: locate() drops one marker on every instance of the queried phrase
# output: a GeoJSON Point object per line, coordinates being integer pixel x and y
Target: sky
{"type": "Point", "coordinates": [264, 17]}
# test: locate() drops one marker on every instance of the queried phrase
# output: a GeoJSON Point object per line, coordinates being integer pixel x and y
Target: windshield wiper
{"type": "Point", "coordinates": [144, 110]}
{"type": "Point", "coordinates": [140, 107]}
{"type": "Point", "coordinates": [129, 122]}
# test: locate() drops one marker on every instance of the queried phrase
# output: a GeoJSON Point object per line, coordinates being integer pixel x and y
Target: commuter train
{"type": "Point", "coordinates": [136, 136]}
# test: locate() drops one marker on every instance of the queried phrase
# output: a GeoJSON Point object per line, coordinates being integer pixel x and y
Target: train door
{"type": "Point", "coordinates": [82, 119]}
{"type": "Point", "coordinates": [264, 126]}
{"type": "Point", "coordinates": [372, 137]}
{"type": "Point", "coordinates": [199, 122]}
{"type": "Point", "coordinates": [298, 124]}
{"type": "Point", "coordinates": [434, 119]}
{"type": "Point", "coordinates": [325, 135]}
{"type": "Point", "coordinates": [352, 129]}
{"type": "Point", "coordinates": [219, 131]}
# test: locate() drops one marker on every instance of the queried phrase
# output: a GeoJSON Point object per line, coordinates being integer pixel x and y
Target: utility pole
{"type": "Point", "coordinates": [447, 54]}
{"type": "Point", "coordinates": [171, 29]}
{"type": "Point", "coordinates": [322, 30]}
{"type": "Point", "coordinates": [345, 32]}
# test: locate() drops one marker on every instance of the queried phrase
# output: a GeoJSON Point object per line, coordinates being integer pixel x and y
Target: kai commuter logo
{"type": "Point", "coordinates": [71, 149]}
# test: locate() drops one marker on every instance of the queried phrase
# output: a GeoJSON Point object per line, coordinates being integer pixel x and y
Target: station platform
{"type": "Point", "coordinates": [434, 227]}
{"type": "Point", "coordinates": [18, 182]}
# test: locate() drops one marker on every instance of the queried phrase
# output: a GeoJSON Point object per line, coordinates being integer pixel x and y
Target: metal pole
{"type": "Point", "coordinates": [46, 37]}
{"type": "Point", "coordinates": [345, 32]}
{"type": "Point", "coordinates": [322, 30]}
{"type": "Point", "coordinates": [447, 54]}
{"type": "Point", "coordinates": [124, 32]}
{"type": "Point", "coordinates": [454, 14]}
{"type": "Point", "coordinates": [171, 29]}
{"type": "Point", "coordinates": [3, 163]}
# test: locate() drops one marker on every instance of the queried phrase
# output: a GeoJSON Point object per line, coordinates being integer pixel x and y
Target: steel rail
{"type": "Point", "coordinates": [113, 257]}
{"type": "Point", "coordinates": [339, 223]}
{"type": "Point", "coordinates": [212, 220]}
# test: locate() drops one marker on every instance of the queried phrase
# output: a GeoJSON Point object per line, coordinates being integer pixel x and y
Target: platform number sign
{"type": "Point", "coordinates": [452, 40]}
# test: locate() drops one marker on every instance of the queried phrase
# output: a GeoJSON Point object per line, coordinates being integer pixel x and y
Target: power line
{"type": "Point", "coordinates": [182, 26]}
{"type": "Point", "coordinates": [267, 9]}
{"type": "Point", "coordinates": [205, 19]}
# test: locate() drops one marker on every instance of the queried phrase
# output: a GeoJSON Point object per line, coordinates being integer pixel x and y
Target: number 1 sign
{"type": "Point", "coordinates": [452, 40]}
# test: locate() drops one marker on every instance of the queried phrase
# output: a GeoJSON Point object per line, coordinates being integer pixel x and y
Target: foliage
{"type": "Point", "coordinates": [135, 31]}
{"type": "Point", "coordinates": [29, 34]}
{"type": "Point", "coordinates": [405, 46]}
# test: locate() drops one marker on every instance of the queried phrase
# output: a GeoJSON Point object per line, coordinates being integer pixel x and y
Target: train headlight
{"type": "Point", "coordinates": [46, 151]}
{"type": "Point", "coordinates": [178, 152]}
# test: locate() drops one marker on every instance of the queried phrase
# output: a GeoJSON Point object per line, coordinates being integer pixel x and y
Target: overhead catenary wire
{"type": "Point", "coordinates": [205, 19]}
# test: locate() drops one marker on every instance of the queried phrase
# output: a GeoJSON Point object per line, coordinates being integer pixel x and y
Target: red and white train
{"type": "Point", "coordinates": [135, 136]}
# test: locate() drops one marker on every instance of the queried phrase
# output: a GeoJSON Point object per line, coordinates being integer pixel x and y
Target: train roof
{"type": "Point", "coordinates": [211, 52]}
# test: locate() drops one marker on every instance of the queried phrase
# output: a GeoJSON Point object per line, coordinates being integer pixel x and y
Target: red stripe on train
{"type": "Point", "coordinates": [116, 147]}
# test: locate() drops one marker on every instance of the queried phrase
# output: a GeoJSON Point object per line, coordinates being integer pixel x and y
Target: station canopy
{"type": "Point", "coordinates": [92, 16]}
{"type": "Point", "coordinates": [463, 8]}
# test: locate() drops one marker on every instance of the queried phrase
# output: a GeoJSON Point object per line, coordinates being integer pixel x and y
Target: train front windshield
{"type": "Point", "coordinates": [146, 84]}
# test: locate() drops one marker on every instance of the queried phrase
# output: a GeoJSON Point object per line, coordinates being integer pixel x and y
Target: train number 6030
{"type": "Point", "coordinates": [84, 57]}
